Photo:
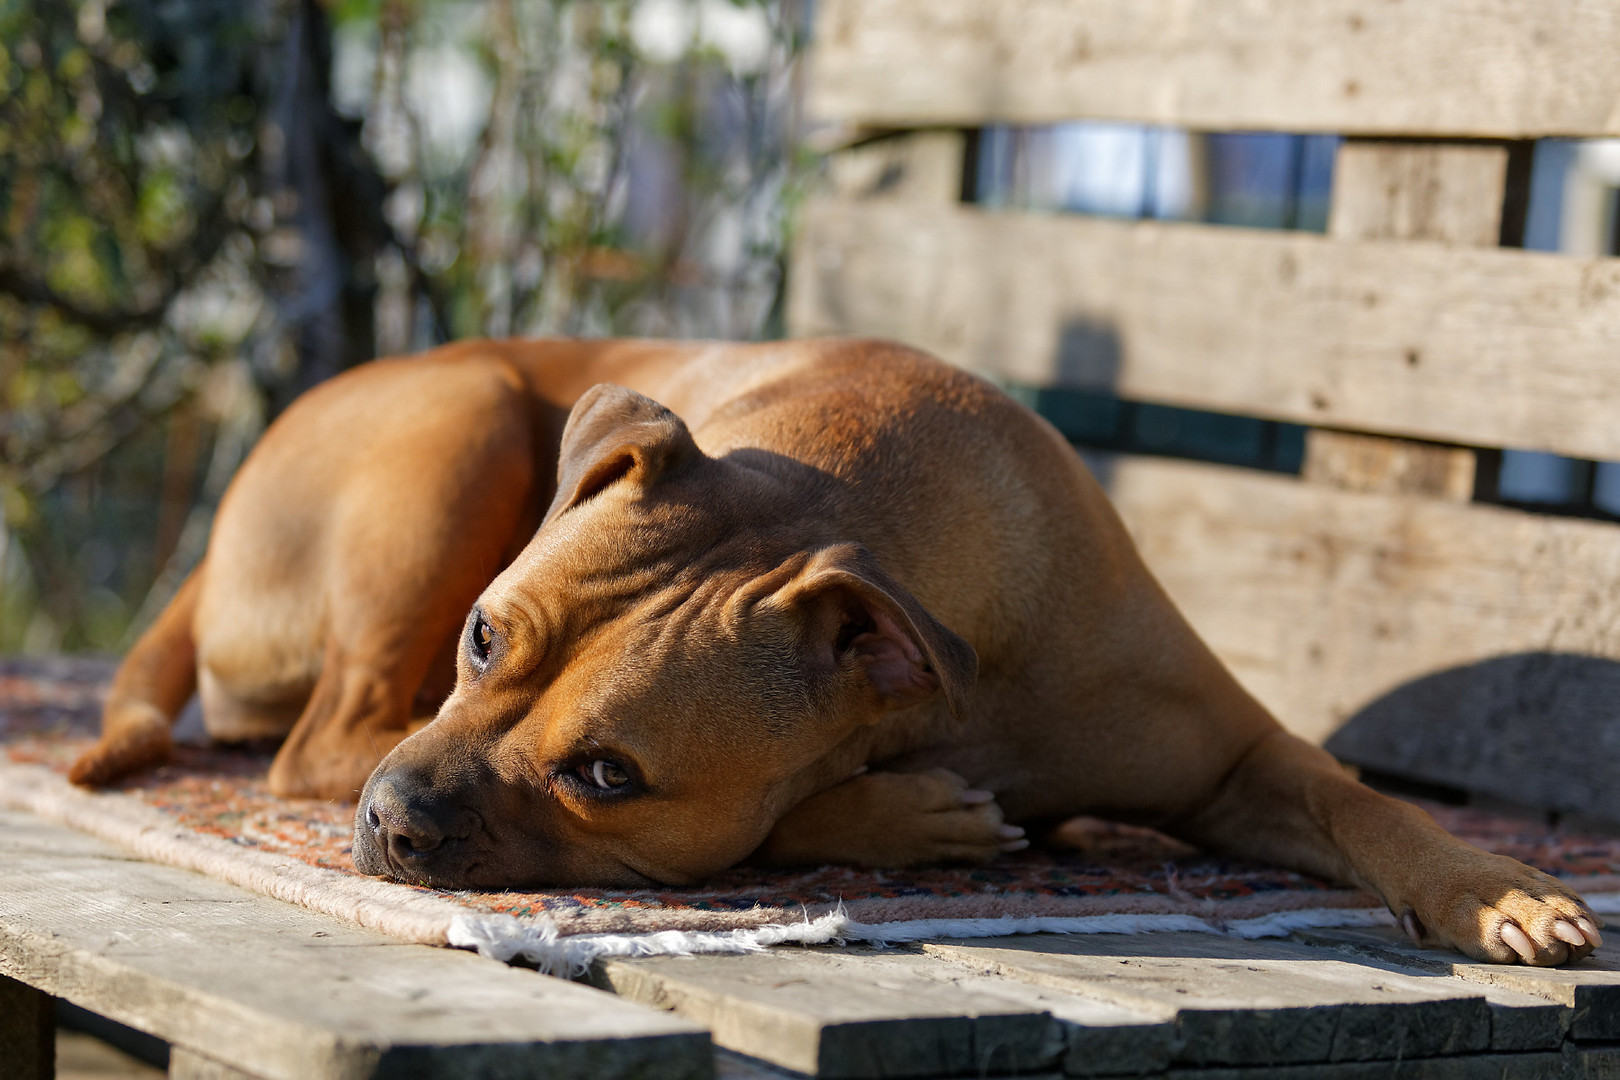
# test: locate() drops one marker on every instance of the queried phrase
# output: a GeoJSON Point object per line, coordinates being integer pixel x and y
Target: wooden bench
{"type": "Point", "coordinates": [1370, 597]}
{"type": "Point", "coordinates": [1372, 600]}
{"type": "Point", "coordinates": [247, 988]}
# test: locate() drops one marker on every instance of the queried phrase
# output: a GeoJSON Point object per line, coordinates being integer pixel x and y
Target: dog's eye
{"type": "Point", "coordinates": [480, 639]}
{"type": "Point", "coordinates": [605, 775]}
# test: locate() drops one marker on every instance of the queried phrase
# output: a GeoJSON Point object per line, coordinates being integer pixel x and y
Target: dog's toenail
{"type": "Point", "coordinates": [1568, 932]}
{"type": "Point", "coordinates": [1590, 931]}
{"type": "Point", "coordinates": [1413, 928]}
{"type": "Point", "coordinates": [1518, 941]}
{"type": "Point", "coordinates": [1011, 832]}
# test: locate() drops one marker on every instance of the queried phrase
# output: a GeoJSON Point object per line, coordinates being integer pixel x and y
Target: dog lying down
{"type": "Point", "coordinates": [796, 603]}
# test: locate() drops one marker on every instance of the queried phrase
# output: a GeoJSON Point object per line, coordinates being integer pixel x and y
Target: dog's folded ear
{"type": "Point", "coordinates": [853, 613]}
{"type": "Point", "coordinates": [617, 434]}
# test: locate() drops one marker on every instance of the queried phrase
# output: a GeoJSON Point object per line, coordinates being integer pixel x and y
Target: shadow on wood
{"type": "Point", "coordinates": [1538, 728]}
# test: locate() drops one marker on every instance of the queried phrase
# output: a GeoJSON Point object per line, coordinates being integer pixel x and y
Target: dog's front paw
{"type": "Point", "coordinates": [893, 821]}
{"type": "Point", "coordinates": [1495, 908]}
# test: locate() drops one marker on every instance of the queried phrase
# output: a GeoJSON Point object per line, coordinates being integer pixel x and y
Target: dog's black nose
{"type": "Point", "coordinates": [406, 829]}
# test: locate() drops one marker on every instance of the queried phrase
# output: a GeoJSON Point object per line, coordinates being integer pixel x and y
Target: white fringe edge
{"type": "Point", "coordinates": [505, 938]}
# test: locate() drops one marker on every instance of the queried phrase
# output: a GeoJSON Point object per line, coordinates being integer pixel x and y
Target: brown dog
{"type": "Point", "coordinates": [846, 555]}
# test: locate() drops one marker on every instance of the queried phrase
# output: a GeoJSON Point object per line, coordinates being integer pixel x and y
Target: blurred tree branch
{"type": "Point", "coordinates": [207, 206]}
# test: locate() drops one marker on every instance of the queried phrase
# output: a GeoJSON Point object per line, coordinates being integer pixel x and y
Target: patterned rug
{"type": "Point", "coordinates": [210, 811]}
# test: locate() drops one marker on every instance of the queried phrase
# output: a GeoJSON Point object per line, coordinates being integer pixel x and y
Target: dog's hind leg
{"type": "Point", "coordinates": [152, 685]}
{"type": "Point", "coordinates": [1289, 802]}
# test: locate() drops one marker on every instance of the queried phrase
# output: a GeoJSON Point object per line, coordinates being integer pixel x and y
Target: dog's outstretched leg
{"type": "Point", "coordinates": [1289, 802]}
{"type": "Point", "coordinates": [152, 685]}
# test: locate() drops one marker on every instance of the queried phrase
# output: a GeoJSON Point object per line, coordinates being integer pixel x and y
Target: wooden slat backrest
{"type": "Point", "coordinates": [1358, 589]}
{"type": "Point", "coordinates": [1489, 347]}
{"type": "Point", "coordinates": [1490, 68]}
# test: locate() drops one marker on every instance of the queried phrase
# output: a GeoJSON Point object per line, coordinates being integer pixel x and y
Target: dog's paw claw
{"type": "Point", "coordinates": [1515, 939]}
{"type": "Point", "coordinates": [1505, 912]}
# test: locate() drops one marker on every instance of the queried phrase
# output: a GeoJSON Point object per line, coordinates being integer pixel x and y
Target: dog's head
{"type": "Point", "coordinates": [656, 678]}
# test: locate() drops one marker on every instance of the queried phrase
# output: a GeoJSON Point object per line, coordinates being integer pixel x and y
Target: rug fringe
{"type": "Point", "coordinates": [406, 914]}
{"type": "Point", "coordinates": [504, 938]}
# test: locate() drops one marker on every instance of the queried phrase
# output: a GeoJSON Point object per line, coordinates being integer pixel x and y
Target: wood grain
{"type": "Point", "coordinates": [1325, 601]}
{"type": "Point", "coordinates": [1241, 1003]}
{"type": "Point", "coordinates": [281, 993]}
{"type": "Point", "coordinates": [1589, 990]}
{"type": "Point", "coordinates": [1443, 67]}
{"type": "Point", "coordinates": [1450, 193]}
{"type": "Point", "coordinates": [870, 1014]}
{"type": "Point", "coordinates": [1485, 347]}
{"type": "Point", "coordinates": [1372, 463]}
{"type": "Point", "coordinates": [915, 167]}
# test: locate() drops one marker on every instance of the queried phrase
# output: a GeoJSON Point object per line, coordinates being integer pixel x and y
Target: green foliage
{"type": "Point", "coordinates": [196, 222]}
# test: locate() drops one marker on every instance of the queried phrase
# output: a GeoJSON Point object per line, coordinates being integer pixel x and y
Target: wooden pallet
{"type": "Point", "coordinates": [1414, 339]}
{"type": "Point", "coordinates": [243, 987]}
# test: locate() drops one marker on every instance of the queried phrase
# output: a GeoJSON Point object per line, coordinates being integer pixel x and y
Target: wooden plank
{"type": "Point", "coordinates": [185, 1065]}
{"type": "Point", "coordinates": [80, 1056]}
{"type": "Point", "coordinates": [1408, 190]}
{"type": "Point", "coordinates": [1543, 1066]}
{"type": "Point", "coordinates": [1444, 67]}
{"type": "Point", "coordinates": [1251, 1003]}
{"type": "Point", "coordinates": [892, 1013]}
{"type": "Point", "coordinates": [1447, 192]}
{"type": "Point", "coordinates": [916, 167]}
{"type": "Point", "coordinates": [1484, 347]}
{"type": "Point", "coordinates": [27, 1031]}
{"type": "Point", "coordinates": [1472, 645]}
{"type": "Point", "coordinates": [285, 994]}
{"type": "Point", "coordinates": [1590, 989]}
{"type": "Point", "coordinates": [1370, 463]}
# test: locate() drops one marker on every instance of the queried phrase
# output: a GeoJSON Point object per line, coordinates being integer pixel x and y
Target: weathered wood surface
{"type": "Point", "coordinates": [1590, 990]}
{"type": "Point", "coordinates": [1444, 67]}
{"type": "Point", "coordinates": [1091, 1005]}
{"type": "Point", "coordinates": [1242, 1003]}
{"type": "Point", "coordinates": [1570, 1065]}
{"type": "Point", "coordinates": [84, 1057]}
{"type": "Point", "coordinates": [185, 1065]}
{"type": "Point", "coordinates": [1246, 994]}
{"type": "Point", "coordinates": [888, 1014]}
{"type": "Point", "coordinates": [1323, 602]}
{"type": "Point", "coordinates": [915, 167]}
{"type": "Point", "coordinates": [1450, 193]}
{"type": "Point", "coordinates": [1485, 347]}
{"type": "Point", "coordinates": [1373, 463]}
{"type": "Point", "coordinates": [284, 994]}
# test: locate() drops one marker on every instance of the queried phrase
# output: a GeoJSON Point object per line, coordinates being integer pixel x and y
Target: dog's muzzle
{"type": "Point", "coordinates": [416, 837]}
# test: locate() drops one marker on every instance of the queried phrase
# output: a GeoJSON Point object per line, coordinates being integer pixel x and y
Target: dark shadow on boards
{"type": "Point", "coordinates": [1539, 729]}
